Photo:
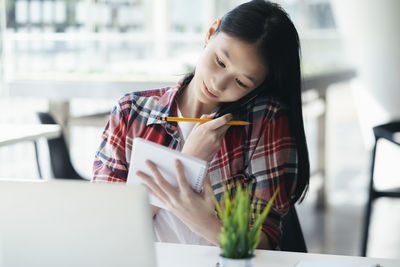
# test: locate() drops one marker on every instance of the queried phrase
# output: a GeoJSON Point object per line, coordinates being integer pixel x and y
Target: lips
{"type": "Point", "coordinates": [208, 93]}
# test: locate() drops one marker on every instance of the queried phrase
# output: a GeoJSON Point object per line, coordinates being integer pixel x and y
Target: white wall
{"type": "Point", "coordinates": [2, 29]}
{"type": "Point", "coordinates": [371, 33]}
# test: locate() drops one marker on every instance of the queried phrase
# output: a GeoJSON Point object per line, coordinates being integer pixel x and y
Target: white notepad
{"type": "Point", "coordinates": [333, 263]}
{"type": "Point", "coordinates": [142, 150]}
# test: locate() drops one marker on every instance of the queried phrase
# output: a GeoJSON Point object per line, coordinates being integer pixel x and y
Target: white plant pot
{"type": "Point", "coordinates": [228, 262]}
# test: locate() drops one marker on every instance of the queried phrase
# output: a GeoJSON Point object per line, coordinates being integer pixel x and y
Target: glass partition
{"type": "Point", "coordinates": [111, 40]}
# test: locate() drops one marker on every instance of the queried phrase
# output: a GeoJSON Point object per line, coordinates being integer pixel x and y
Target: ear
{"type": "Point", "coordinates": [214, 26]}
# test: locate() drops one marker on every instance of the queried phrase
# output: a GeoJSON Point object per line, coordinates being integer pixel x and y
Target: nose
{"type": "Point", "coordinates": [220, 82]}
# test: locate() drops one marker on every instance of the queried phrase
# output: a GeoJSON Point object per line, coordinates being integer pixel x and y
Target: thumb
{"type": "Point", "coordinates": [208, 193]}
{"type": "Point", "coordinates": [208, 116]}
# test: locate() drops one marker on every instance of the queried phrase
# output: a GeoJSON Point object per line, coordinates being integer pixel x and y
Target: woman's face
{"type": "Point", "coordinates": [227, 70]}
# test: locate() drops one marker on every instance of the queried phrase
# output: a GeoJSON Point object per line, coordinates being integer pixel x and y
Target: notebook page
{"type": "Point", "coordinates": [333, 263]}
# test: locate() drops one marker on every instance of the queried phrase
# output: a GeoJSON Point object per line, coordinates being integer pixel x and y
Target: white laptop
{"type": "Point", "coordinates": [69, 223]}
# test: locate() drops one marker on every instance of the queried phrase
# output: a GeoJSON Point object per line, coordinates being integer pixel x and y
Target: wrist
{"type": "Point", "coordinates": [190, 153]}
{"type": "Point", "coordinates": [211, 230]}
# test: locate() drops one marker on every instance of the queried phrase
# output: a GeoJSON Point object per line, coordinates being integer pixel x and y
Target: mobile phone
{"type": "Point", "coordinates": [235, 108]}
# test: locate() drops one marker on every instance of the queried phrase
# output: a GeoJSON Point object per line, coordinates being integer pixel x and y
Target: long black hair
{"type": "Point", "coordinates": [268, 26]}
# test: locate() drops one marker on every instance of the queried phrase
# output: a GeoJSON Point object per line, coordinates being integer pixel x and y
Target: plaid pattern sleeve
{"type": "Point", "coordinates": [262, 157]}
{"type": "Point", "coordinates": [110, 161]}
{"type": "Point", "coordinates": [134, 116]}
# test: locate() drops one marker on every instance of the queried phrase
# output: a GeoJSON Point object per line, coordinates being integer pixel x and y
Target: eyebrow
{"type": "Point", "coordinates": [247, 76]}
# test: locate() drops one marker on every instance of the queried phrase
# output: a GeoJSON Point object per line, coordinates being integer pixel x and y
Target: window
{"type": "Point", "coordinates": [110, 39]}
{"type": "Point", "coordinates": [135, 40]}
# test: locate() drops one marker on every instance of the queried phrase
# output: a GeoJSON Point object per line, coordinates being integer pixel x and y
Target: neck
{"type": "Point", "coordinates": [190, 106]}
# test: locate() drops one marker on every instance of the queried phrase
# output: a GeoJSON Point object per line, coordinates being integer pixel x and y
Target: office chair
{"type": "Point", "coordinates": [292, 235]}
{"type": "Point", "coordinates": [60, 160]}
{"type": "Point", "coordinates": [386, 131]}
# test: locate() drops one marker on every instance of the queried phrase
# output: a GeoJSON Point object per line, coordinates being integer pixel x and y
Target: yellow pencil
{"type": "Point", "coordinates": [199, 120]}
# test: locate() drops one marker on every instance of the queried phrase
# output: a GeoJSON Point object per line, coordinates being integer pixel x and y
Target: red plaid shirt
{"type": "Point", "coordinates": [261, 155]}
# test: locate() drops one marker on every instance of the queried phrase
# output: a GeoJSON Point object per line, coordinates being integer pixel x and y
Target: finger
{"type": "Point", "coordinates": [205, 116]}
{"type": "Point", "coordinates": [159, 178]}
{"type": "Point", "coordinates": [221, 131]}
{"type": "Point", "coordinates": [207, 181]}
{"type": "Point", "coordinates": [153, 187]}
{"type": "Point", "coordinates": [184, 186]}
{"type": "Point", "coordinates": [205, 185]}
{"type": "Point", "coordinates": [221, 121]}
{"type": "Point", "coordinates": [208, 193]}
{"type": "Point", "coordinates": [208, 116]}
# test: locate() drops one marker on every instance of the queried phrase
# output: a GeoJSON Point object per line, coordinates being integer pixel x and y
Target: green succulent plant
{"type": "Point", "coordinates": [238, 239]}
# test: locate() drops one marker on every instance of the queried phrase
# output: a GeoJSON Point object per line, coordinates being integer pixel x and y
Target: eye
{"type": "Point", "coordinates": [240, 83]}
{"type": "Point", "coordinates": [220, 62]}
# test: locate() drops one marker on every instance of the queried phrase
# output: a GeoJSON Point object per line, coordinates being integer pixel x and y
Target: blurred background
{"type": "Point", "coordinates": [75, 58]}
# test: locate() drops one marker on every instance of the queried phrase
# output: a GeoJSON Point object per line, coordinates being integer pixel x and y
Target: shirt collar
{"type": "Point", "coordinates": [165, 106]}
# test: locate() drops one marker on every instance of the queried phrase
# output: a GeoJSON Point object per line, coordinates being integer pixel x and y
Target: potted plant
{"type": "Point", "coordinates": [238, 239]}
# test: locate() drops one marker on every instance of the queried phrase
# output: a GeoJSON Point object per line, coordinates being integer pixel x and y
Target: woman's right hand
{"type": "Point", "coordinates": [205, 139]}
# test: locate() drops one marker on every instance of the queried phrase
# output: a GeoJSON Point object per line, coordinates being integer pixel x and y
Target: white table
{"type": "Point", "coordinates": [16, 133]}
{"type": "Point", "coordinates": [177, 255]}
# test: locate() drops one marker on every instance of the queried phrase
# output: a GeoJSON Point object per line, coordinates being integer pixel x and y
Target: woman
{"type": "Point", "coordinates": [250, 67]}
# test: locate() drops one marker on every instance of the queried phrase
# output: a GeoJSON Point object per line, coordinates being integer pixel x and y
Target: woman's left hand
{"type": "Point", "coordinates": [196, 210]}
